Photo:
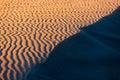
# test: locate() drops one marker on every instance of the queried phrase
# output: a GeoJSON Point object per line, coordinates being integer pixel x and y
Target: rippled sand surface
{"type": "Point", "coordinates": [30, 29]}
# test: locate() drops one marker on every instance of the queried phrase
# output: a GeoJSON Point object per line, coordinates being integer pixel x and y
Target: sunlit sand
{"type": "Point", "coordinates": [30, 29]}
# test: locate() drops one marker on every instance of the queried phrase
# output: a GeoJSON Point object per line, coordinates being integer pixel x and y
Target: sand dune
{"type": "Point", "coordinates": [30, 29]}
{"type": "Point", "coordinates": [91, 54]}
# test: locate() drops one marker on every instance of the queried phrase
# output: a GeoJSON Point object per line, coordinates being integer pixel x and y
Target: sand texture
{"type": "Point", "coordinates": [30, 29]}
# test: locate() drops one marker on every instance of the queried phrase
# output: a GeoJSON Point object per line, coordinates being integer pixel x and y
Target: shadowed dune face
{"type": "Point", "coordinates": [91, 54]}
{"type": "Point", "coordinates": [30, 29]}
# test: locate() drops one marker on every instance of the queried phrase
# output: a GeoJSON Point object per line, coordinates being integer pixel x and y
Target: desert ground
{"type": "Point", "coordinates": [30, 29]}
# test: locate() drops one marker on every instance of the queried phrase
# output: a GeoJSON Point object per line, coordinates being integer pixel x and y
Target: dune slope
{"type": "Point", "coordinates": [91, 54]}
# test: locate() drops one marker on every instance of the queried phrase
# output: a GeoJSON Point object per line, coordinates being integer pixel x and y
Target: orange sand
{"type": "Point", "coordinates": [30, 29]}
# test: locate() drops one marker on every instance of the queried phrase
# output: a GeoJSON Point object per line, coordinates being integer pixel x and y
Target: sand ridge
{"type": "Point", "coordinates": [30, 29]}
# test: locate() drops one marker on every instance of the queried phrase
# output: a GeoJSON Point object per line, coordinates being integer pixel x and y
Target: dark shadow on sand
{"type": "Point", "coordinates": [92, 54]}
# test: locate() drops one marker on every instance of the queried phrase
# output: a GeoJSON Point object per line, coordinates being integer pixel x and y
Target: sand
{"type": "Point", "coordinates": [91, 54]}
{"type": "Point", "coordinates": [30, 29]}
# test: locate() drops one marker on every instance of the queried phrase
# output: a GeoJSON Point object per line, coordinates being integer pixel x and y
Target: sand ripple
{"type": "Point", "coordinates": [30, 29]}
